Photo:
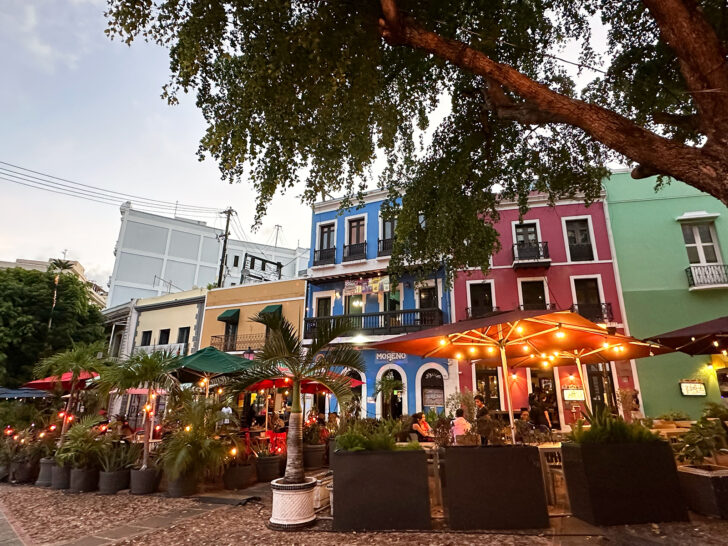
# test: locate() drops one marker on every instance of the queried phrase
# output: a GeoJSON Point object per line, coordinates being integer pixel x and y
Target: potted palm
{"type": "Point", "coordinates": [81, 451]}
{"type": "Point", "coordinates": [23, 458]}
{"type": "Point", "coordinates": [46, 447]}
{"type": "Point", "coordinates": [151, 371]}
{"type": "Point", "coordinates": [239, 469]}
{"type": "Point", "coordinates": [268, 462]}
{"type": "Point", "coordinates": [283, 355]}
{"type": "Point", "coordinates": [117, 458]}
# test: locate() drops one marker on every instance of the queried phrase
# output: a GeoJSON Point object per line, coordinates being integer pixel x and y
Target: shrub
{"type": "Point", "coordinates": [674, 415]}
{"type": "Point", "coordinates": [706, 437]}
{"type": "Point", "coordinates": [716, 411]}
{"type": "Point", "coordinates": [609, 429]}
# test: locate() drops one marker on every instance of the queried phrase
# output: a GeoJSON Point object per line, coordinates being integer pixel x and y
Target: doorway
{"type": "Point", "coordinates": [533, 294]}
{"type": "Point", "coordinates": [601, 385]}
{"type": "Point", "coordinates": [486, 384]}
{"type": "Point", "coordinates": [392, 384]}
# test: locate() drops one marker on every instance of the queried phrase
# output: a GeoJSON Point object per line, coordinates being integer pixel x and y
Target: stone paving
{"type": "Point", "coordinates": [8, 536]}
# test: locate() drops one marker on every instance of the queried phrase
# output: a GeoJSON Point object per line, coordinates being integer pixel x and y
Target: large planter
{"type": "Point", "coordinates": [239, 476]}
{"type": "Point", "coordinates": [144, 482]}
{"type": "Point", "coordinates": [314, 456]}
{"type": "Point", "coordinates": [45, 475]}
{"type": "Point", "coordinates": [617, 484]}
{"type": "Point", "coordinates": [508, 476]}
{"type": "Point", "coordinates": [110, 483]}
{"type": "Point", "coordinates": [268, 468]}
{"type": "Point", "coordinates": [24, 472]}
{"type": "Point", "coordinates": [705, 489]}
{"type": "Point", "coordinates": [292, 505]}
{"type": "Point", "coordinates": [84, 480]}
{"type": "Point", "coordinates": [183, 486]}
{"type": "Point", "coordinates": [61, 477]}
{"type": "Point", "coordinates": [381, 490]}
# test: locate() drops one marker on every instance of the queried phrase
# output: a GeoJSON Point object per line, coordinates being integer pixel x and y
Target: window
{"type": "Point", "coordinates": [164, 336]}
{"type": "Point", "coordinates": [388, 228]}
{"type": "Point", "coordinates": [236, 261]}
{"type": "Point", "coordinates": [391, 301]}
{"type": "Point", "coordinates": [183, 335]}
{"type": "Point", "coordinates": [353, 305]}
{"type": "Point", "coordinates": [323, 307]}
{"type": "Point", "coordinates": [146, 338]}
{"type": "Point", "coordinates": [481, 299]}
{"type": "Point", "coordinates": [700, 243]}
{"type": "Point", "coordinates": [580, 245]}
{"type": "Point", "coordinates": [428, 297]}
{"type": "Point", "coordinates": [526, 234]}
{"type": "Point", "coordinates": [326, 237]}
{"type": "Point", "coordinates": [588, 299]}
{"type": "Point", "coordinates": [356, 231]}
{"type": "Point", "coordinates": [533, 295]}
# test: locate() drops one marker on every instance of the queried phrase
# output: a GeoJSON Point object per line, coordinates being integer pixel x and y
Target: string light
{"type": "Point", "coordinates": [70, 417]}
{"type": "Point", "coordinates": [443, 341]}
{"type": "Point", "coordinates": [472, 350]}
{"type": "Point", "coordinates": [725, 353]}
{"type": "Point", "coordinates": [219, 391]}
{"type": "Point", "coordinates": [514, 376]}
{"type": "Point", "coordinates": [605, 345]}
{"type": "Point", "coordinates": [158, 427]}
{"type": "Point", "coordinates": [41, 435]}
{"type": "Point", "coordinates": [233, 451]}
{"type": "Point", "coordinates": [552, 358]}
{"type": "Point", "coordinates": [153, 396]}
{"type": "Point", "coordinates": [709, 366]}
{"type": "Point", "coordinates": [560, 334]}
{"type": "Point", "coordinates": [526, 348]}
{"type": "Point", "coordinates": [571, 376]}
{"type": "Point", "coordinates": [16, 437]}
{"type": "Point", "coordinates": [61, 413]}
{"type": "Point", "coordinates": [519, 329]}
{"type": "Point", "coordinates": [545, 364]}
{"type": "Point", "coordinates": [491, 350]}
{"type": "Point", "coordinates": [52, 427]}
{"type": "Point", "coordinates": [261, 391]}
{"type": "Point", "coordinates": [188, 428]}
{"type": "Point", "coordinates": [459, 356]}
{"type": "Point", "coordinates": [286, 393]}
{"type": "Point", "coordinates": [715, 343]}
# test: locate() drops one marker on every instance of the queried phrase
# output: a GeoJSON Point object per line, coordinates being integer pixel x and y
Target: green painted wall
{"type": "Point", "coordinates": [652, 259]}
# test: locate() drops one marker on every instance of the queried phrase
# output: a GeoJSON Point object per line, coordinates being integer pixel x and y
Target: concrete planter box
{"type": "Point", "coordinates": [184, 486]}
{"type": "Point", "coordinates": [268, 468]}
{"type": "Point", "coordinates": [705, 489]}
{"type": "Point", "coordinates": [314, 456]}
{"type": "Point", "coordinates": [381, 490]}
{"type": "Point", "coordinates": [25, 472]}
{"type": "Point", "coordinates": [61, 477]}
{"type": "Point", "coordinates": [618, 484]}
{"type": "Point", "coordinates": [145, 482]}
{"type": "Point", "coordinates": [84, 480]}
{"type": "Point", "coordinates": [238, 477]}
{"type": "Point", "coordinates": [45, 476]}
{"type": "Point", "coordinates": [509, 477]}
{"type": "Point", "coordinates": [110, 483]}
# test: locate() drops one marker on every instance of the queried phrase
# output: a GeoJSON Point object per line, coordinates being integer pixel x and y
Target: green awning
{"type": "Point", "coordinates": [231, 315]}
{"type": "Point", "coordinates": [211, 362]}
{"type": "Point", "coordinates": [273, 309]}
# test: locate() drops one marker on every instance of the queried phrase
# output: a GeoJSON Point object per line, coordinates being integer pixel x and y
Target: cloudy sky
{"type": "Point", "coordinates": [79, 106]}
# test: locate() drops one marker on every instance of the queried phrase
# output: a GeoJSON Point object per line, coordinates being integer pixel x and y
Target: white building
{"type": "Point", "coordinates": [157, 255]}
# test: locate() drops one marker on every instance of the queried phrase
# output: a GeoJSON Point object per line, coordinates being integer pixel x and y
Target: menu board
{"type": "Point", "coordinates": [433, 397]}
{"type": "Point", "coordinates": [689, 387]}
{"type": "Point", "coordinates": [573, 393]}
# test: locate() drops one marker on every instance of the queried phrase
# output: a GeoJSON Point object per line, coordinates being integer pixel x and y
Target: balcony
{"type": "Point", "coordinates": [701, 277]}
{"type": "Point", "coordinates": [325, 256]}
{"type": "Point", "coordinates": [581, 252]}
{"type": "Point", "coordinates": [596, 312]}
{"type": "Point", "coordinates": [356, 251]}
{"type": "Point", "coordinates": [480, 311]}
{"type": "Point", "coordinates": [527, 255]}
{"type": "Point", "coordinates": [538, 306]}
{"type": "Point", "coordinates": [385, 247]}
{"type": "Point", "coordinates": [238, 343]}
{"type": "Point", "coordinates": [386, 322]}
{"type": "Point", "coordinates": [175, 349]}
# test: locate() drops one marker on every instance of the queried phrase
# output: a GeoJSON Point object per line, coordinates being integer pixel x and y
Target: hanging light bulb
{"type": "Point", "coordinates": [560, 334]}
{"type": "Point", "coordinates": [514, 376]}
{"type": "Point", "coordinates": [519, 329]}
{"type": "Point", "coordinates": [459, 356]}
{"type": "Point", "coordinates": [233, 451]}
{"type": "Point", "coordinates": [491, 350]}
{"type": "Point", "coordinates": [443, 341]}
{"type": "Point", "coordinates": [188, 428]}
{"type": "Point", "coordinates": [472, 350]}
{"type": "Point", "coordinates": [715, 343]}
{"type": "Point", "coordinates": [545, 364]}
{"type": "Point", "coordinates": [526, 348]}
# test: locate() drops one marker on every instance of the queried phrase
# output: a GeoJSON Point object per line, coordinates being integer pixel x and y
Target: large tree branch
{"type": "Point", "coordinates": [507, 109]}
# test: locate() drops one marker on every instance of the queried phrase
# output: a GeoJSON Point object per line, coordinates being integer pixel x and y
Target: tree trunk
{"type": "Point", "coordinates": [64, 426]}
{"type": "Point", "coordinates": [294, 446]}
{"type": "Point", "coordinates": [148, 422]}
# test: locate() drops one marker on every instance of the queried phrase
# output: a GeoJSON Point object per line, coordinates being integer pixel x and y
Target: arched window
{"type": "Point", "coordinates": [433, 391]}
{"type": "Point", "coordinates": [391, 383]}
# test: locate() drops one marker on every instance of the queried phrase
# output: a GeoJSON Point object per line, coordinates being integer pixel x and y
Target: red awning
{"type": "Point", "coordinates": [51, 383]}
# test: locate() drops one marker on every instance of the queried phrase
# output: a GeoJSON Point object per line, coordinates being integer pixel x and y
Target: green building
{"type": "Point", "coordinates": [671, 247]}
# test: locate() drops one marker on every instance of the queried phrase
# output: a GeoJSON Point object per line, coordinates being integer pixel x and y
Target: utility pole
{"type": "Point", "coordinates": [229, 212]}
{"type": "Point", "coordinates": [278, 229]}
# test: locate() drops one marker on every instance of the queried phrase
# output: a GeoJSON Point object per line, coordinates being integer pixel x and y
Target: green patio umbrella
{"type": "Point", "coordinates": [208, 363]}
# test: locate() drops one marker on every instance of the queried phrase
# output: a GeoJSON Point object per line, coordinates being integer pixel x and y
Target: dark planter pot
{"type": "Point", "coordinates": [23, 472]}
{"type": "Point", "coordinates": [3, 472]}
{"type": "Point", "coordinates": [110, 483]}
{"type": "Point", "coordinates": [45, 475]}
{"type": "Point", "coordinates": [61, 477]}
{"type": "Point", "coordinates": [381, 490]}
{"type": "Point", "coordinates": [508, 476]}
{"type": "Point", "coordinates": [332, 450]}
{"type": "Point", "coordinates": [268, 468]}
{"type": "Point", "coordinates": [705, 489]}
{"type": "Point", "coordinates": [184, 486]}
{"type": "Point", "coordinates": [238, 477]}
{"type": "Point", "coordinates": [144, 482]}
{"type": "Point", "coordinates": [314, 456]}
{"type": "Point", "coordinates": [84, 480]}
{"type": "Point", "coordinates": [618, 484]}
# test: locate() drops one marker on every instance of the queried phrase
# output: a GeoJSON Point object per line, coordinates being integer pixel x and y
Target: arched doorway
{"type": "Point", "coordinates": [391, 394]}
{"type": "Point", "coordinates": [432, 388]}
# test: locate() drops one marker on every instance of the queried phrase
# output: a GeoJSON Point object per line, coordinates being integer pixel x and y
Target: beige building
{"type": "Point", "coordinates": [227, 325]}
{"type": "Point", "coordinates": [169, 323]}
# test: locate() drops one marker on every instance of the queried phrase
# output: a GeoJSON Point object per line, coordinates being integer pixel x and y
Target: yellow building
{"type": "Point", "coordinates": [227, 325]}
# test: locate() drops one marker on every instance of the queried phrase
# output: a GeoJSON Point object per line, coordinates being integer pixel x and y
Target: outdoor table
{"type": "Point", "coordinates": [672, 435]}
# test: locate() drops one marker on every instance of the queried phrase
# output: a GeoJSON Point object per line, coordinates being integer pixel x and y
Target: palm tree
{"type": "Point", "coordinates": [283, 355]}
{"type": "Point", "coordinates": [57, 266]}
{"type": "Point", "coordinates": [386, 386]}
{"type": "Point", "coordinates": [80, 358]}
{"type": "Point", "coordinates": [151, 371]}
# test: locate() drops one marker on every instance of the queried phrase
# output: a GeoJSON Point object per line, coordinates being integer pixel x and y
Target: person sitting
{"type": "Point", "coordinates": [460, 425]}
{"type": "Point", "coordinates": [524, 428]}
{"type": "Point", "coordinates": [421, 428]}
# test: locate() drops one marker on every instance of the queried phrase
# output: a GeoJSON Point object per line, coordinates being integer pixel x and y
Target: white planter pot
{"type": "Point", "coordinates": [292, 505]}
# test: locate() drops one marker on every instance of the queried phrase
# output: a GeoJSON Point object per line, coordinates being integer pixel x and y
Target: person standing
{"type": "Point", "coordinates": [538, 413]}
{"type": "Point", "coordinates": [482, 418]}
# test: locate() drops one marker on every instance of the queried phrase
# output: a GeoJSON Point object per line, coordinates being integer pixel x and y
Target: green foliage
{"type": "Point", "coordinates": [25, 305]}
{"type": "Point", "coordinates": [312, 434]}
{"type": "Point", "coordinates": [370, 435]}
{"type": "Point", "coordinates": [117, 454]}
{"type": "Point", "coordinates": [607, 428]}
{"type": "Point", "coordinates": [82, 447]}
{"type": "Point", "coordinates": [706, 437]}
{"type": "Point", "coordinates": [20, 414]}
{"type": "Point", "coordinates": [386, 386]}
{"type": "Point", "coordinates": [674, 415]}
{"type": "Point", "coordinates": [715, 410]}
{"type": "Point", "coordinates": [462, 399]}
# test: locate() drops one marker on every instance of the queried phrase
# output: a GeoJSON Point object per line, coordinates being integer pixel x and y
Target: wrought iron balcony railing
{"type": "Point", "coordinates": [385, 247]}
{"type": "Point", "coordinates": [357, 251]}
{"type": "Point", "coordinates": [595, 312]}
{"type": "Point", "coordinates": [324, 256]}
{"type": "Point", "coordinates": [238, 343]}
{"type": "Point", "coordinates": [581, 252]}
{"type": "Point", "coordinates": [538, 306]}
{"type": "Point", "coordinates": [386, 322]}
{"type": "Point", "coordinates": [531, 254]}
{"type": "Point", "coordinates": [479, 311]}
{"type": "Point", "coordinates": [707, 276]}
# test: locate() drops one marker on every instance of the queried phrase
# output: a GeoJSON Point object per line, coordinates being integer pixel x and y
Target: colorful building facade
{"type": "Point", "coordinates": [555, 257]}
{"type": "Point", "coordinates": [347, 277]}
{"type": "Point", "coordinates": [671, 250]}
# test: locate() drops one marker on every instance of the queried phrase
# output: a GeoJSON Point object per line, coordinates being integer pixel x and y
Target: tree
{"type": "Point", "coordinates": [283, 355]}
{"type": "Point", "coordinates": [26, 298]}
{"type": "Point", "coordinates": [151, 371]}
{"type": "Point", "coordinates": [387, 386]}
{"type": "Point", "coordinates": [293, 88]}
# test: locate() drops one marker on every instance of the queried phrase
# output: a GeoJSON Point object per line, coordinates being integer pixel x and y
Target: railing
{"type": "Point", "coordinates": [479, 311]}
{"type": "Point", "coordinates": [357, 251]}
{"type": "Point", "coordinates": [386, 322]}
{"type": "Point", "coordinates": [238, 343]}
{"type": "Point", "coordinates": [540, 306]}
{"type": "Point", "coordinates": [385, 247]}
{"type": "Point", "coordinates": [531, 252]}
{"type": "Point", "coordinates": [324, 256]}
{"type": "Point", "coordinates": [176, 349]}
{"type": "Point", "coordinates": [595, 312]}
{"type": "Point", "coordinates": [705, 276]}
{"type": "Point", "coordinates": [582, 252]}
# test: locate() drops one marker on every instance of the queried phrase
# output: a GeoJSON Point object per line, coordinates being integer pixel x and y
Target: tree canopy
{"type": "Point", "coordinates": [25, 306]}
{"type": "Point", "coordinates": [323, 88]}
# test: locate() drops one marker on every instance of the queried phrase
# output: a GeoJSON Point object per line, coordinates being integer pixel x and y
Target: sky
{"type": "Point", "coordinates": [77, 105]}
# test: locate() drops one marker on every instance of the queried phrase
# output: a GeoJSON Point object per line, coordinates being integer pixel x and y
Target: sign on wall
{"type": "Point", "coordinates": [433, 397]}
{"type": "Point", "coordinates": [386, 357]}
{"type": "Point", "coordinates": [692, 387]}
{"type": "Point", "coordinates": [572, 393]}
{"type": "Point", "coordinates": [372, 285]}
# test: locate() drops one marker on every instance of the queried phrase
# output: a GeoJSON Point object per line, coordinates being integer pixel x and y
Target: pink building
{"type": "Point", "coordinates": [556, 257]}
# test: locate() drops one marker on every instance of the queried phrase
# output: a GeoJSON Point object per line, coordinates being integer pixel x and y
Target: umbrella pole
{"type": "Point", "coordinates": [587, 402]}
{"type": "Point", "coordinates": [207, 387]}
{"type": "Point", "coordinates": [507, 390]}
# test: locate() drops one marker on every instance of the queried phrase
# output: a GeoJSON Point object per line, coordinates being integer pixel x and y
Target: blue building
{"type": "Point", "coordinates": [347, 276]}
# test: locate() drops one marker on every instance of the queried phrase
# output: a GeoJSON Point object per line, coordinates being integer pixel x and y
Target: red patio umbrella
{"type": "Point", "coordinates": [307, 385]}
{"type": "Point", "coordinates": [51, 383]}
